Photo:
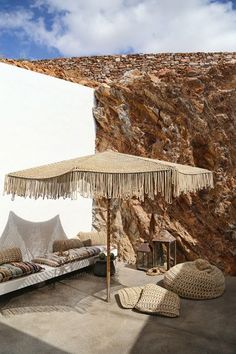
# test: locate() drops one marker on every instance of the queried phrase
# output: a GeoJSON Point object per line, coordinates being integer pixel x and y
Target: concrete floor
{"type": "Point", "coordinates": [72, 317]}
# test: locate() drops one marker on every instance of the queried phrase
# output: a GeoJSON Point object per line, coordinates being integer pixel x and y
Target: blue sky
{"type": "Point", "coordinates": [14, 43]}
{"type": "Point", "coordinates": [36, 29]}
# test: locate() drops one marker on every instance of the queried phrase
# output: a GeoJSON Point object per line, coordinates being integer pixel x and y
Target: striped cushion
{"type": "Point", "coordinates": [27, 267]}
{"type": "Point", "coordinates": [51, 259]}
{"type": "Point", "coordinates": [59, 258]}
{"type": "Point", "coordinates": [5, 272]}
{"type": "Point", "coordinates": [17, 269]}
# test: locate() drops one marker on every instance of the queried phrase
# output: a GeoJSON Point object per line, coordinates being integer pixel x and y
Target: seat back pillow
{"type": "Point", "coordinates": [93, 238]}
{"type": "Point", "coordinates": [9, 255]}
{"type": "Point", "coordinates": [64, 245]}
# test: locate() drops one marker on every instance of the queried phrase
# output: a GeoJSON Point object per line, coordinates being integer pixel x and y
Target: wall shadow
{"type": "Point", "coordinates": [206, 327]}
{"type": "Point", "coordinates": [15, 341]}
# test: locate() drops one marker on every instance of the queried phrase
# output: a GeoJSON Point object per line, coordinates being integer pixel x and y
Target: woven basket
{"type": "Point", "coordinates": [159, 301]}
{"type": "Point", "coordinates": [195, 280]}
{"type": "Point", "coordinates": [10, 255]}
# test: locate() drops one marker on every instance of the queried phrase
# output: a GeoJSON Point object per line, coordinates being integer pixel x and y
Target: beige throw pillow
{"type": "Point", "coordinates": [64, 245]}
{"type": "Point", "coordinates": [9, 255]}
{"type": "Point", "coordinates": [93, 238]}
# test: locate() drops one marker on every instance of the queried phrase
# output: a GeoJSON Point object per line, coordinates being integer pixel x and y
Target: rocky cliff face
{"type": "Point", "coordinates": [187, 118]}
{"type": "Point", "coordinates": [176, 107]}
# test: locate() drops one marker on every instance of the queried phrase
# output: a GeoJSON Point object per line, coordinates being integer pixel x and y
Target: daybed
{"type": "Point", "coordinates": [65, 257]}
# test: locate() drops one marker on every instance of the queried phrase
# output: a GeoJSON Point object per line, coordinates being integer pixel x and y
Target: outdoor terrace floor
{"type": "Point", "coordinates": [71, 316]}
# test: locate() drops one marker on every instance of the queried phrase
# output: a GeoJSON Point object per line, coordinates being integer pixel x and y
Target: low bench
{"type": "Point", "coordinates": [48, 273]}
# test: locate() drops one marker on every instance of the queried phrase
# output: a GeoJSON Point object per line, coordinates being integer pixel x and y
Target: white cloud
{"type": "Point", "coordinates": [108, 27]}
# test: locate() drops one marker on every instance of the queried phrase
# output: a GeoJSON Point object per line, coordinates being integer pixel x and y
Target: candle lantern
{"type": "Point", "coordinates": [144, 256]}
{"type": "Point", "coordinates": [166, 239]}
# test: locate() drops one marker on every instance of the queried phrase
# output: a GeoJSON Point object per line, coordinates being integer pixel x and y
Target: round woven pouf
{"type": "Point", "coordinates": [195, 280]}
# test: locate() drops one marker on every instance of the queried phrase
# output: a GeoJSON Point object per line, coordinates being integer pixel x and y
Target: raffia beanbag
{"type": "Point", "coordinates": [159, 301]}
{"type": "Point", "coordinates": [130, 296]}
{"type": "Point", "coordinates": [10, 255]}
{"type": "Point", "coordinates": [64, 245]}
{"type": "Point", "coordinates": [195, 280]}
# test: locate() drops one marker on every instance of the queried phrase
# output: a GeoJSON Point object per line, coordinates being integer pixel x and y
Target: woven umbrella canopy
{"type": "Point", "coordinates": [108, 175]}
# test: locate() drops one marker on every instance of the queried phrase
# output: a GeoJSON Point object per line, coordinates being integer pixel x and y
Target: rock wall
{"type": "Point", "coordinates": [176, 107]}
{"type": "Point", "coordinates": [99, 69]}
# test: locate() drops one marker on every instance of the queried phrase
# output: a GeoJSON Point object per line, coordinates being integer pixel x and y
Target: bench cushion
{"type": "Point", "coordinates": [17, 269]}
{"type": "Point", "coordinates": [5, 273]}
{"type": "Point", "coordinates": [57, 259]}
{"type": "Point", "coordinates": [27, 267]}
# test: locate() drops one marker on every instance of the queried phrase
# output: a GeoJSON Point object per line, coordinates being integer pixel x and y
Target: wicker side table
{"type": "Point", "coordinates": [100, 268]}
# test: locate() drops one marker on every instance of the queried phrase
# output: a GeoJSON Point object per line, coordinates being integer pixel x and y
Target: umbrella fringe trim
{"type": "Point", "coordinates": [169, 183]}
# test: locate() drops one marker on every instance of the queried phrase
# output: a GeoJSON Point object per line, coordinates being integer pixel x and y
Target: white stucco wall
{"type": "Point", "coordinates": [43, 119]}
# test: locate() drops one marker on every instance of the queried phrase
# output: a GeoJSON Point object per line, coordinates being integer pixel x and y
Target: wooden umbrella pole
{"type": "Point", "coordinates": [108, 249]}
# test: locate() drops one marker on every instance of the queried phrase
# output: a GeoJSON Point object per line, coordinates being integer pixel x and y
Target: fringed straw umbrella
{"type": "Point", "coordinates": [108, 175]}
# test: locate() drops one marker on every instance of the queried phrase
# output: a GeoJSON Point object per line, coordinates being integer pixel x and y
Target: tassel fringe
{"type": "Point", "coordinates": [168, 183]}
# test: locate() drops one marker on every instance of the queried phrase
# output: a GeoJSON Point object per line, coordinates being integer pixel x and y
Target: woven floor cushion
{"type": "Point", "coordinates": [130, 296]}
{"type": "Point", "coordinates": [157, 300]}
{"type": "Point", "coordinates": [12, 254]}
{"type": "Point", "coordinates": [195, 280]}
{"type": "Point", "coordinates": [64, 245]}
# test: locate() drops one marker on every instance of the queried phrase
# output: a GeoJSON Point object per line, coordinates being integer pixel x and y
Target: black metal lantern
{"type": "Point", "coordinates": [144, 256]}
